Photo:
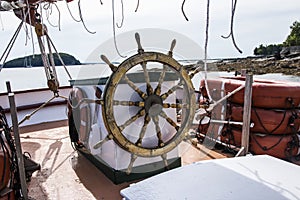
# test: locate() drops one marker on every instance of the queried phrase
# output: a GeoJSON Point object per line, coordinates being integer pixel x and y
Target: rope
{"type": "Point", "coordinates": [25, 25]}
{"type": "Point", "coordinates": [59, 57]}
{"type": "Point", "coordinates": [294, 143]}
{"type": "Point", "coordinates": [85, 101]}
{"type": "Point", "coordinates": [76, 20]}
{"type": "Point", "coordinates": [31, 32]}
{"type": "Point", "coordinates": [48, 7]}
{"type": "Point", "coordinates": [114, 30]}
{"type": "Point", "coordinates": [264, 148]}
{"type": "Point", "coordinates": [205, 50]}
{"type": "Point", "coordinates": [45, 59]}
{"type": "Point", "coordinates": [137, 6]}
{"type": "Point", "coordinates": [229, 147]}
{"type": "Point", "coordinates": [183, 11]}
{"type": "Point", "coordinates": [81, 18]}
{"type": "Point", "coordinates": [54, 74]}
{"type": "Point", "coordinates": [262, 125]}
{"type": "Point", "coordinates": [28, 116]}
{"type": "Point", "coordinates": [233, 5]}
{"type": "Point", "coordinates": [120, 26]}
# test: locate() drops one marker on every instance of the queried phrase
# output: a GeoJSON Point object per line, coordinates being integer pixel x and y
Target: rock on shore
{"type": "Point", "coordinates": [289, 65]}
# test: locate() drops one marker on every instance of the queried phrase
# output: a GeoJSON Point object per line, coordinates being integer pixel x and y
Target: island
{"type": "Point", "coordinates": [36, 61]}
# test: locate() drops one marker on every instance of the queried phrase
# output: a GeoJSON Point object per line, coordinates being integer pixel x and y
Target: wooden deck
{"type": "Point", "coordinates": [66, 174]}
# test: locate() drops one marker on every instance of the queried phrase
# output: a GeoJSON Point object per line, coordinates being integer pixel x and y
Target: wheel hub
{"type": "Point", "coordinates": [153, 105]}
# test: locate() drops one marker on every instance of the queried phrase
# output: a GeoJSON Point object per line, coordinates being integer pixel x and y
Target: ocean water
{"type": "Point", "coordinates": [34, 78]}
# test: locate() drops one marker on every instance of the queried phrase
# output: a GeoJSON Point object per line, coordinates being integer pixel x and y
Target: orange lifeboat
{"type": "Point", "coordinates": [232, 136]}
{"type": "Point", "coordinates": [265, 94]}
{"type": "Point", "coordinates": [275, 113]}
{"type": "Point", "coordinates": [280, 146]}
{"type": "Point", "coordinates": [268, 121]}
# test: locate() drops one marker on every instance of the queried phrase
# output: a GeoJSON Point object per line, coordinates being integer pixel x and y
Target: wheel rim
{"type": "Point", "coordinates": [151, 106]}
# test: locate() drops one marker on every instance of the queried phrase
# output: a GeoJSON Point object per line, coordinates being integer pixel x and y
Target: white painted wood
{"type": "Point", "coordinates": [250, 177]}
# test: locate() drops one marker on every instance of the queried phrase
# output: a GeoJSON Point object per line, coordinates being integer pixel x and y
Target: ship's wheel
{"type": "Point", "coordinates": [152, 107]}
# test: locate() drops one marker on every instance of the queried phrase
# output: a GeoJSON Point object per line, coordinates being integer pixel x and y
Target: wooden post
{"type": "Point", "coordinates": [20, 160]}
{"type": "Point", "coordinates": [247, 114]}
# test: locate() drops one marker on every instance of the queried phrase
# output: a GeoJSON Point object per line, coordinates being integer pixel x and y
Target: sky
{"type": "Point", "coordinates": [256, 22]}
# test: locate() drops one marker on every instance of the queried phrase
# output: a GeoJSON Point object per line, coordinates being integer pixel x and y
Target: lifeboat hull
{"type": "Point", "coordinates": [269, 121]}
{"type": "Point", "coordinates": [280, 146]}
{"type": "Point", "coordinates": [265, 94]}
{"type": "Point", "coordinates": [231, 136]}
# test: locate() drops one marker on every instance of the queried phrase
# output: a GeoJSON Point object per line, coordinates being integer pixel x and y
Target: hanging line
{"type": "Point", "coordinates": [59, 57]}
{"type": "Point", "coordinates": [182, 10]}
{"type": "Point", "coordinates": [31, 32]}
{"type": "Point", "coordinates": [26, 13]}
{"type": "Point", "coordinates": [72, 16]}
{"type": "Point", "coordinates": [120, 26]}
{"type": "Point", "coordinates": [233, 5]}
{"type": "Point", "coordinates": [137, 6]}
{"type": "Point", "coordinates": [81, 18]}
{"type": "Point", "coordinates": [205, 50]}
{"type": "Point", "coordinates": [49, 8]}
{"type": "Point", "coordinates": [114, 29]}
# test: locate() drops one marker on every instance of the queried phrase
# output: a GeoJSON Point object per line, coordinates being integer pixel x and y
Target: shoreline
{"type": "Point", "coordinates": [287, 66]}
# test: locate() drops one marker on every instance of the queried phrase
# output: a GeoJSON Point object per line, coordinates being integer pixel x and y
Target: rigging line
{"type": "Point", "coordinates": [114, 29]}
{"type": "Point", "coordinates": [24, 17]}
{"type": "Point", "coordinates": [101, 2]}
{"type": "Point", "coordinates": [31, 33]}
{"type": "Point", "coordinates": [76, 20]}
{"type": "Point", "coordinates": [120, 26]}
{"type": "Point", "coordinates": [233, 4]}
{"type": "Point", "coordinates": [183, 11]}
{"type": "Point", "coordinates": [10, 44]}
{"type": "Point", "coordinates": [205, 50]}
{"type": "Point", "coordinates": [137, 6]}
{"type": "Point", "coordinates": [59, 57]}
{"type": "Point", "coordinates": [81, 18]}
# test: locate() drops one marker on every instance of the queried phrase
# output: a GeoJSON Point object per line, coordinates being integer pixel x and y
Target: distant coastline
{"type": "Point", "coordinates": [36, 61]}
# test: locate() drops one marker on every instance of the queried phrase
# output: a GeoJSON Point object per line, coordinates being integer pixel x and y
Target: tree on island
{"type": "Point", "coordinates": [293, 39]}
